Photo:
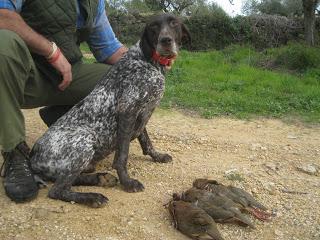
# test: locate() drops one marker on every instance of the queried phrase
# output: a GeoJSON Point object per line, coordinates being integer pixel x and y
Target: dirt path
{"type": "Point", "coordinates": [262, 154]}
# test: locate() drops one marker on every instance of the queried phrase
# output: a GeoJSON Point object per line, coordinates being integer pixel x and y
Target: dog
{"type": "Point", "coordinates": [112, 115]}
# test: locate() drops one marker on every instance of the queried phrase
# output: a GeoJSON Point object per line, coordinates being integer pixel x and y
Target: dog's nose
{"type": "Point", "coordinates": [166, 41]}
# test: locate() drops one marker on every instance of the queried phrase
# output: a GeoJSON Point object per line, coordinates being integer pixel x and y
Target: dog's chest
{"type": "Point", "coordinates": [139, 91]}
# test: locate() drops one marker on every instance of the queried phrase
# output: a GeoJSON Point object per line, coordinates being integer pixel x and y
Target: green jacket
{"type": "Point", "coordinates": [56, 20]}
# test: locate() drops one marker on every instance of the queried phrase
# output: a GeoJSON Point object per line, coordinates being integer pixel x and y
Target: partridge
{"type": "Point", "coordinates": [193, 221]}
{"type": "Point", "coordinates": [237, 195]}
{"type": "Point", "coordinates": [219, 207]}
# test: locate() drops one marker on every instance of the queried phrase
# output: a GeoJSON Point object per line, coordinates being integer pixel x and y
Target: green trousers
{"type": "Point", "coordinates": [23, 86]}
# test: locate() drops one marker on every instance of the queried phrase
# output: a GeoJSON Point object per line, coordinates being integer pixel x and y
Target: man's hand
{"type": "Point", "coordinates": [64, 67]}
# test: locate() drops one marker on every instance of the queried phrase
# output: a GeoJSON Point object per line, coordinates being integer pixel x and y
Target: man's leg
{"type": "Point", "coordinates": [16, 65]}
{"type": "Point", "coordinates": [85, 77]}
{"type": "Point", "coordinates": [23, 86]}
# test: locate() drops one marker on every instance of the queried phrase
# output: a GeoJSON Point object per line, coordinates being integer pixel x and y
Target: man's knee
{"type": "Point", "coordinates": [11, 44]}
{"type": "Point", "coordinates": [15, 57]}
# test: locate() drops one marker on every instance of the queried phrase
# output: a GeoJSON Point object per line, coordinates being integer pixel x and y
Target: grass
{"type": "Point", "coordinates": [84, 47]}
{"type": "Point", "coordinates": [229, 83]}
{"type": "Point", "coordinates": [235, 177]}
{"type": "Point", "coordinates": [220, 84]}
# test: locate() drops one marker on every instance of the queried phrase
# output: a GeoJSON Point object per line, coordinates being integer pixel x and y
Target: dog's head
{"type": "Point", "coordinates": [162, 37]}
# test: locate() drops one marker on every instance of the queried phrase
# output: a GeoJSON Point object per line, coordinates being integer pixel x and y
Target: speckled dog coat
{"type": "Point", "coordinates": [115, 112]}
{"type": "Point", "coordinates": [88, 131]}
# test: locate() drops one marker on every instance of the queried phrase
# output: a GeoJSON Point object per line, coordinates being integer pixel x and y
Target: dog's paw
{"type": "Point", "coordinates": [106, 180]}
{"type": "Point", "coordinates": [133, 185]}
{"type": "Point", "coordinates": [95, 200]}
{"type": "Point", "coordinates": [162, 158]}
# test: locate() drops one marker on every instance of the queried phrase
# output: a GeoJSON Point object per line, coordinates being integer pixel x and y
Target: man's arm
{"type": "Point", "coordinates": [12, 21]}
{"type": "Point", "coordinates": [116, 56]}
{"type": "Point", "coordinates": [102, 41]}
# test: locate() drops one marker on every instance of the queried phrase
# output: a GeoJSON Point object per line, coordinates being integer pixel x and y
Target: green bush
{"type": "Point", "coordinates": [298, 57]}
{"type": "Point", "coordinates": [126, 27]}
{"type": "Point", "coordinates": [241, 29]}
{"type": "Point", "coordinates": [216, 30]}
{"type": "Point", "coordinates": [210, 30]}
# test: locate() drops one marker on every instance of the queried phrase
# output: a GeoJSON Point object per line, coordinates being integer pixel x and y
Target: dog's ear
{"type": "Point", "coordinates": [186, 36]}
{"type": "Point", "coordinates": [145, 44]}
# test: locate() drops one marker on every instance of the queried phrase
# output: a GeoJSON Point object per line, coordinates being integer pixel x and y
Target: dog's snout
{"type": "Point", "coordinates": [166, 41]}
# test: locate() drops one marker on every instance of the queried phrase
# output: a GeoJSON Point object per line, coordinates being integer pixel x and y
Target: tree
{"type": "Point", "coordinates": [115, 4]}
{"type": "Point", "coordinates": [289, 8]}
{"type": "Point", "coordinates": [250, 7]}
{"type": "Point", "coordinates": [294, 8]}
{"type": "Point", "coordinates": [169, 5]}
{"type": "Point", "coordinates": [271, 7]}
{"type": "Point", "coordinates": [309, 11]}
{"type": "Point", "coordinates": [204, 7]}
{"type": "Point", "coordinates": [136, 6]}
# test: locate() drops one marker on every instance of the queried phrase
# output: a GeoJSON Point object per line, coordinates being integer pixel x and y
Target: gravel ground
{"type": "Point", "coordinates": [277, 162]}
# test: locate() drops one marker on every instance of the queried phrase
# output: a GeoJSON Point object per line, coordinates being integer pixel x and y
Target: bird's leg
{"type": "Point", "coordinates": [260, 214]}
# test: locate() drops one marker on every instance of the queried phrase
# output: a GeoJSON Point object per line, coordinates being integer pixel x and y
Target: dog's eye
{"type": "Point", "coordinates": [174, 23]}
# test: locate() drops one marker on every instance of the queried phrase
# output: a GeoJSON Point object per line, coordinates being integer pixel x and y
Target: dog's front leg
{"type": "Point", "coordinates": [148, 149]}
{"type": "Point", "coordinates": [126, 123]}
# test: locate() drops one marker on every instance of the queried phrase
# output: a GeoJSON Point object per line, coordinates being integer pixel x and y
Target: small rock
{"type": "Point", "coordinates": [287, 147]}
{"type": "Point", "coordinates": [270, 187]}
{"type": "Point", "coordinates": [255, 146]}
{"type": "Point", "coordinates": [278, 233]}
{"type": "Point", "coordinates": [40, 213]}
{"type": "Point", "coordinates": [292, 137]}
{"type": "Point", "coordinates": [287, 207]}
{"type": "Point", "coordinates": [230, 171]}
{"type": "Point", "coordinates": [272, 166]}
{"type": "Point", "coordinates": [252, 158]}
{"type": "Point", "coordinates": [310, 169]}
{"type": "Point", "coordinates": [274, 212]}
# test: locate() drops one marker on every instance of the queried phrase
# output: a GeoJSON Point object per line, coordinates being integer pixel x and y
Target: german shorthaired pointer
{"type": "Point", "coordinates": [112, 115]}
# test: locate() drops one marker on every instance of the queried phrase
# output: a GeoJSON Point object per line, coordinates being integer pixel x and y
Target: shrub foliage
{"type": "Point", "coordinates": [216, 30]}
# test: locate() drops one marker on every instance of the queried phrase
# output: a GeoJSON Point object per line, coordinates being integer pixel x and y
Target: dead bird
{"type": "Point", "coordinates": [193, 221]}
{"type": "Point", "coordinates": [243, 198]}
{"type": "Point", "coordinates": [219, 207]}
